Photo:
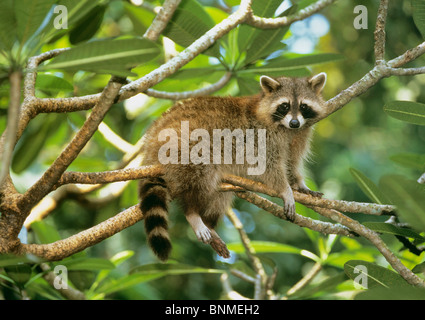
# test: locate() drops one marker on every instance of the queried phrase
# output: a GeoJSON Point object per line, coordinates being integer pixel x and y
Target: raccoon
{"type": "Point", "coordinates": [278, 122]}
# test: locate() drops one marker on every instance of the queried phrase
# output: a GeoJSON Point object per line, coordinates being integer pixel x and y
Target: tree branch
{"type": "Point", "coordinates": [44, 185]}
{"type": "Point", "coordinates": [109, 176]}
{"type": "Point", "coordinates": [250, 251]}
{"type": "Point", "coordinates": [194, 93]}
{"type": "Point", "coordinates": [64, 248]}
{"type": "Point", "coordinates": [374, 238]}
{"type": "Point", "coordinates": [380, 31]}
{"type": "Point", "coordinates": [161, 19]}
{"type": "Point", "coordinates": [270, 23]}
{"type": "Point", "coordinates": [344, 206]}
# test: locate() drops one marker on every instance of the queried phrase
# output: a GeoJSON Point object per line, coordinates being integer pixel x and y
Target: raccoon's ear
{"type": "Point", "coordinates": [317, 82]}
{"type": "Point", "coordinates": [268, 84]}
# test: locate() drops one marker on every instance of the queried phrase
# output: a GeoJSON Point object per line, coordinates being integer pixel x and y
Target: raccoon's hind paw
{"type": "Point", "coordinates": [219, 246]}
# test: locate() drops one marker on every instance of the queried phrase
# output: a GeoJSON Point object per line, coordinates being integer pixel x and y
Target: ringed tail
{"type": "Point", "coordinates": [154, 205]}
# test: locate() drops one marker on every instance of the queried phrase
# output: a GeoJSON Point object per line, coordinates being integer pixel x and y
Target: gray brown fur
{"type": "Point", "coordinates": [196, 186]}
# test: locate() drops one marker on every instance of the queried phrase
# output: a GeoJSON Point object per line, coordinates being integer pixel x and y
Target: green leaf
{"type": "Point", "coordinates": [282, 64]}
{"type": "Point", "coordinates": [30, 17]}
{"type": "Point", "coordinates": [368, 187]}
{"type": "Point", "coordinates": [88, 264]}
{"type": "Point", "coordinates": [408, 111]}
{"type": "Point", "coordinates": [20, 273]}
{"type": "Point", "coordinates": [76, 12]}
{"type": "Point", "coordinates": [106, 56]}
{"type": "Point", "coordinates": [264, 43]}
{"type": "Point", "coordinates": [265, 246]}
{"type": "Point", "coordinates": [387, 228]}
{"type": "Point", "coordinates": [51, 83]}
{"type": "Point", "coordinates": [247, 85]}
{"type": "Point", "coordinates": [410, 160]}
{"type": "Point", "coordinates": [45, 232]}
{"type": "Point", "coordinates": [122, 256]}
{"type": "Point", "coordinates": [33, 141]}
{"type": "Point", "coordinates": [123, 283]}
{"type": "Point", "coordinates": [189, 22]}
{"type": "Point", "coordinates": [395, 293]}
{"type": "Point", "coordinates": [409, 198]}
{"type": "Point", "coordinates": [376, 276]}
{"type": "Point", "coordinates": [420, 268]}
{"type": "Point", "coordinates": [10, 259]}
{"type": "Point", "coordinates": [247, 34]}
{"type": "Point", "coordinates": [141, 18]}
{"type": "Point", "coordinates": [171, 269]}
{"type": "Point", "coordinates": [418, 7]}
{"type": "Point", "coordinates": [8, 34]}
{"type": "Point", "coordinates": [88, 26]}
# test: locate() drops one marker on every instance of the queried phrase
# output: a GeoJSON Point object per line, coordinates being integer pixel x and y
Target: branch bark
{"type": "Point", "coordinates": [64, 248]}
{"type": "Point", "coordinates": [161, 19]}
{"type": "Point", "coordinates": [45, 184]}
{"type": "Point", "coordinates": [271, 23]}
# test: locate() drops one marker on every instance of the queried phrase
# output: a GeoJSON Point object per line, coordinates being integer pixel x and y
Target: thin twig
{"type": "Point", "coordinates": [380, 31]}
{"type": "Point", "coordinates": [270, 23]}
{"type": "Point", "coordinates": [261, 278]}
{"type": "Point", "coordinates": [314, 271]}
{"type": "Point", "coordinates": [69, 293]}
{"type": "Point", "coordinates": [193, 93]}
{"type": "Point", "coordinates": [161, 19]}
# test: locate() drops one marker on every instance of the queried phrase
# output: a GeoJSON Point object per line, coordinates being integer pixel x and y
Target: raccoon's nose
{"type": "Point", "coordinates": [294, 123]}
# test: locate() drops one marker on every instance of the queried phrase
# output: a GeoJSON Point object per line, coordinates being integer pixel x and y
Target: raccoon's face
{"type": "Point", "coordinates": [292, 102]}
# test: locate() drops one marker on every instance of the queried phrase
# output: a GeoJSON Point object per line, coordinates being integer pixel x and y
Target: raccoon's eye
{"type": "Point", "coordinates": [303, 106]}
{"type": "Point", "coordinates": [285, 106]}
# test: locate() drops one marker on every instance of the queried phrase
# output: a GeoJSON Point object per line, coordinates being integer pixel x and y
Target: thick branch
{"type": "Point", "coordinates": [273, 208]}
{"type": "Point", "coordinates": [109, 176]}
{"type": "Point", "coordinates": [44, 185]}
{"type": "Point", "coordinates": [87, 238]}
{"type": "Point", "coordinates": [344, 206]}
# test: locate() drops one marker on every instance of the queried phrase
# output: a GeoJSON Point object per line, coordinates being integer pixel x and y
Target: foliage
{"type": "Point", "coordinates": [359, 145]}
